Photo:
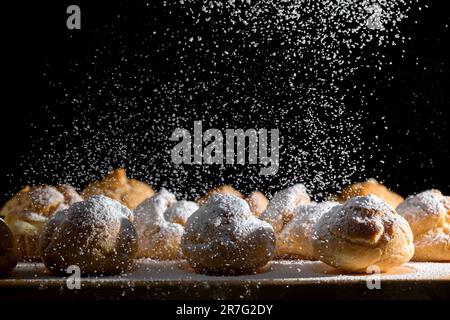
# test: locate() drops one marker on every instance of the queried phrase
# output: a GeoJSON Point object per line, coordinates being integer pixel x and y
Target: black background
{"type": "Point", "coordinates": [415, 102]}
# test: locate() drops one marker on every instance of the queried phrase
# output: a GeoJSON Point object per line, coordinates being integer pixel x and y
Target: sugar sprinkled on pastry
{"type": "Point", "coordinates": [295, 239]}
{"type": "Point", "coordinates": [27, 212]}
{"type": "Point", "coordinates": [8, 249]}
{"type": "Point", "coordinates": [180, 211]}
{"type": "Point", "coordinates": [224, 237]}
{"type": "Point", "coordinates": [373, 187]}
{"type": "Point", "coordinates": [97, 235]}
{"type": "Point", "coordinates": [159, 222]}
{"type": "Point", "coordinates": [428, 214]}
{"type": "Point", "coordinates": [280, 210]}
{"type": "Point", "coordinates": [361, 233]}
{"type": "Point", "coordinates": [117, 186]}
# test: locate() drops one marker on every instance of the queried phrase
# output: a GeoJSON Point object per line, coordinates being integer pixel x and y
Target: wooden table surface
{"type": "Point", "coordinates": [283, 280]}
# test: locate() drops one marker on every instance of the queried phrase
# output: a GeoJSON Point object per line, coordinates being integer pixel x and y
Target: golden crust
{"type": "Point", "coordinates": [363, 232]}
{"type": "Point", "coordinates": [116, 185]}
{"type": "Point", "coordinates": [258, 202]}
{"type": "Point", "coordinates": [223, 189]}
{"type": "Point", "coordinates": [370, 186]}
{"type": "Point", "coordinates": [8, 249]}
{"type": "Point", "coordinates": [27, 212]}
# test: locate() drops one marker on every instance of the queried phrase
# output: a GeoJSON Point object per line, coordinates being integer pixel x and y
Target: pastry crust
{"type": "Point", "coordinates": [223, 237]}
{"type": "Point", "coordinates": [363, 232]}
{"type": "Point", "coordinates": [428, 214]}
{"type": "Point", "coordinates": [258, 202]}
{"type": "Point", "coordinates": [159, 222]}
{"type": "Point", "coordinates": [27, 212]}
{"type": "Point", "coordinates": [295, 239]}
{"type": "Point", "coordinates": [223, 189]}
{"type": "Point", "coordinates": [8, 249]}
{"type": "Point", "coordinates": [116, 185]}
{"type": "Point", "coordinates": [280, 210]}
{"type": "Point", "coordinates": [97, 235]}
{"type": "Point", "coordinates": [373, 187]}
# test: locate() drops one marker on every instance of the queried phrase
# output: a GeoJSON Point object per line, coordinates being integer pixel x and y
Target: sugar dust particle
{"type": "Point", "coordinates": [231, 64]}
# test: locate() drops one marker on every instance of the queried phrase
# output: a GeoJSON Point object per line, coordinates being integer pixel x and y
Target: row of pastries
{"type": "Point", "coordinates": [116, 220]}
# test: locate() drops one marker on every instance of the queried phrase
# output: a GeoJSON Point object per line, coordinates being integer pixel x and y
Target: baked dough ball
{"type": "Point", "coordinates": [159, 222]}
{"type": "Point", "coordinates": [428, 214]}
{"type": "Point", "coordinates": [116, 185]}
{"type": "Point", "coordinates": [97, 235]}
{"type": "Point", "coordinates": [364, 231]}
{"type": "Point", "coordinates": [258, 202]}
{"type": "Point", "coordinates": [27, 212]}
{"type": "Point", "coordinates": [224, 189]}
{"type": "Point", "coordinates": [223, 237]}
{"type": "Point", "coordinates": [8, 249]}
{"type": "Point", "coordinates": [370, 186]}
{"type": "Point", "coordinates": [280, 210]}
{"type": "Point", "coordinates": [295, 239]}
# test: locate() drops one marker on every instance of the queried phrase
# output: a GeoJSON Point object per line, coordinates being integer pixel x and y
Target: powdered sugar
{"type": "Point", "coordinates": [306, 216]}
{"type": "Point", "coordinates": [151, 211]}
{"type": "Point", "coordinates": [45, 195]}
{"type": "Point", "coordinates": [423, 204]}
{"type": "Point", "coordinates": [96, 211]}
{"type": "Point", "coordinates": [180, 211]}
{"type": "Point", "coordinates": [223, 236]}
{"type": "Point", "coordinates": [288, 271]}
{"type": "Point", "coordinates": [281, 207]}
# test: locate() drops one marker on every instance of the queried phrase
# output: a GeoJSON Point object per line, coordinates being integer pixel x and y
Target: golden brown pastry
{"type": "Point", "coordinates": [370, 186]}
{"type": "Point", "coordinates": [223, 237]}
{"type": "Point", "coordinates": [27, 212]}
{"type": "Point", "coordinates": [428, 214]}
{"type": "Point", "coordinates": [224, 189]}
{"type": "Point", "coordinates": [8, 249]}
{"type": "Point", "coordinates": [116, 185]}
{"type": "Point", "coordinates": [258, 202]}
{"type": "Point", "coordinates": [295, 239]}
{"type": "Point", "coordinates": [159, 222]}
{"type": "Point", "coordinates": [280, 210]}
{"type": "Point", "coordinates": [97, 235]}
{"type": "Point", "coordinates": [363, 232]}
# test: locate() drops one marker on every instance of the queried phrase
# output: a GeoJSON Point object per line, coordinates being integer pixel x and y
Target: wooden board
{"type": "Point", "coordinates": [283, 280]}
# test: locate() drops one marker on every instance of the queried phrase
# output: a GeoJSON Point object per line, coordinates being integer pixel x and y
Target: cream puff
{"type": "Point", "coordinates": [223, 237]}
{"type": "Point", "coordinates": [116, 185]}
{"type": "Point", "coordinates": [428, 214]}
{"type": "Point", "coordinates": [223, 189]}
{"type": "Point", "coordinates": [295, 239]}
{"type": "Point", "coordinates": [97, 235]}
{"type": "Point", "coordinates": [280, 210]}
{"type": "Point", "coordinates": [370, 186]}
{"type": "Point", "coordinates": [363, 232]}
{"type": "Point", "coordinates": [159, 222]}
{"type": "Point", "coordinates": [28, 211]}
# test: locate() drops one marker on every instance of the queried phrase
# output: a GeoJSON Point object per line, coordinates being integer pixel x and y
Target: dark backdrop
{"type": "Point", "coordinates": [406, 106]}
